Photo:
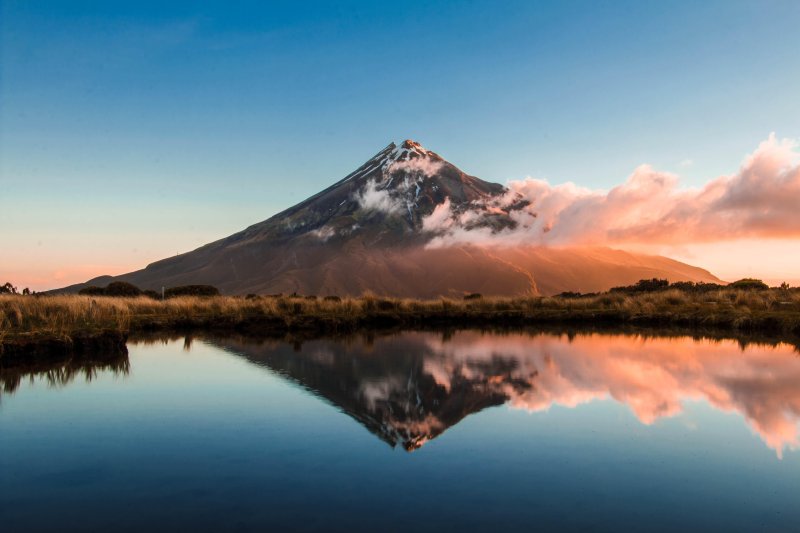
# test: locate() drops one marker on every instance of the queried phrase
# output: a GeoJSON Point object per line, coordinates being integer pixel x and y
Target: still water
{"type": "Point", "coordinates": [414, 430]}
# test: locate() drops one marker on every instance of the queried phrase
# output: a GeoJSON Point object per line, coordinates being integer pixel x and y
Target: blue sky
{"type": "Point", "coordinates": [134, 130]}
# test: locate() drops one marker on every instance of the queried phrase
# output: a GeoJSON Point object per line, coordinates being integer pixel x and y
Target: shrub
{"type": "Point", "coordinates": [121, 288]}
{"type": "Point", "coordinates": [644, 285]}
{"type": "Point", "coordinates": [685, 286]}
{"type": "Point", "coordinates": [92, 290]}
{"type": "Point", "coordinates": [332, 299]}
{"type": "Point", "coordinates": [152, 294]}
{"type": "Point", "coordinates": [569, 294]}
{"type": "Point", "coordinates": [115, 288]}
{"type": "Point", "coordinates": [473, 296]}
{"type": "Point", "coordinates": [749, 284]}
{"type": "Point", "coordinates": [8, 288]}
{"type": "Point", "coordinates": [191, 290]}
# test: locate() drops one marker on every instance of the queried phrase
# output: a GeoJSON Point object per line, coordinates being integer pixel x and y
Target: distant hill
{"type": "Point", "coordinates": [366, 233]}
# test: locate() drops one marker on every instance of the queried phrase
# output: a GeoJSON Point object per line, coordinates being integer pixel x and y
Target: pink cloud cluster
{"type": "Point", "coordinates": [653, 377]}
{"type": "Point", "coordinates": [761, 200]}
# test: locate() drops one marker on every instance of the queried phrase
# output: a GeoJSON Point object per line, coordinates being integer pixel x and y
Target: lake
{"type": "Point", "coordinates": [422, 430]}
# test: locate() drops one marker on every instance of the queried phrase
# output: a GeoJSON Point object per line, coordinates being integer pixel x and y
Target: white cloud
{"type": "Point", "coordinates": [324, 233]}
{"type": "Point", "coordinates": [371, 198]}
{"type": "Point", "coordinates": [440, 219]}
{"type": "Point", "coordinates": [421, 165]}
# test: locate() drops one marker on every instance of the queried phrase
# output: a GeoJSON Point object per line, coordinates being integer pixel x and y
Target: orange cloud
{"type": "Point", "coordinates": [412, 386]}
{"type": "Point", "coordinates": [654, 377]}
{"type": "Point", "coordinates": [760, 200]}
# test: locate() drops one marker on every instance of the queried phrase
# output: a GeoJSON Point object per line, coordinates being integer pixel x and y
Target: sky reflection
{"type": "Point", "coordinates": [568, 433]}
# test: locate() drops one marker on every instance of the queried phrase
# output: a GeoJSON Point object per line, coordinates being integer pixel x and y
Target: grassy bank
{"type": "Point", "coordinates": [72, 320]}
{"type": "Point", "coordinates": [60, 371]}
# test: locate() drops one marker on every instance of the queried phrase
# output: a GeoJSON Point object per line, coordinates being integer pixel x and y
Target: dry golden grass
{"type": "Point", "coordinates": [68, 315]}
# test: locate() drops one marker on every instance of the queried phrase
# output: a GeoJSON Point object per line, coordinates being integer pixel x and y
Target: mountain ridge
{"type": "Point", "coordinates": [368, 232]}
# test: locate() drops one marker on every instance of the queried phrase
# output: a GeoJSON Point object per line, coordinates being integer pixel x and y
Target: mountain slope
{"type": "Point", "coordinates": [395, 396]}
{"type": "Point", "coordinates": [369, 231]}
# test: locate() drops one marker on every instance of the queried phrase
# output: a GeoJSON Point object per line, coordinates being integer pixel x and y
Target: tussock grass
{"type": "Point", "coordinates": [68, 315]}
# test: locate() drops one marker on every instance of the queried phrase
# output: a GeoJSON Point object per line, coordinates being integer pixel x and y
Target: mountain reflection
{"type": "Point", "coordinates": [410, 387]}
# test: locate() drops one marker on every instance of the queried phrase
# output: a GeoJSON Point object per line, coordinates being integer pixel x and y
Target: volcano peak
{"type": "Point", "coordinates": [368, 231]}
{"type": "Point", "coordinates": [410, 149]}
{"type": "Point", "coordinates": [410, 144]}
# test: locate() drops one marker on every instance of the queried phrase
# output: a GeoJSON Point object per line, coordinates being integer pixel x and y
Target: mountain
{"type": "Point", "coordinates": [369, 231]}
{"type": "Point", "coordinates": [410, 388]}
{"type": "Point", "coordinates": [395, 396]}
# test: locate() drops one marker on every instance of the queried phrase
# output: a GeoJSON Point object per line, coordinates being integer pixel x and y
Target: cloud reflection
{"type": "Point", "coordinates": [652, 376]}
{"type": "Point", "coordinates": [409, 388]}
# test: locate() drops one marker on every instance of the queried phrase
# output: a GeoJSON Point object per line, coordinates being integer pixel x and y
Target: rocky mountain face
{"type": "Point", "coordinates": [384, 200]}
{"type": "Point", "coordinates": [369, 231]}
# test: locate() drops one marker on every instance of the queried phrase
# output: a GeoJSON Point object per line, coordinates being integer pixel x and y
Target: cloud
{"type": "Point", "coordinates": [759, 201]}
{"type": "Point", "coordinates": [440, 219]}
{"type": "Point", "coordinates": [371, 198]}
{"type": "Point", "coordinates": [324, 233]}
{"type": "Point", "coordinates": [421, 165]}
{"type": "Point", "coordinates": [653, 377]}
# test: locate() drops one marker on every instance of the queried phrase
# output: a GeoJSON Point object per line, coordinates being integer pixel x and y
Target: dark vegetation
{"type": "Point", "coordinates": [49, 324]}
{"type": "Point", "coordinates": [127, 290]}
{"type": "Point", "coordinates": [8, 288]}
{"type": "Point", "coordinates": [655, 285]}
{"type": "Point", "coordinates": [115, 288]}
{"type": "Point", "coordinates": [191, 290]}
{"type": "Point", "coordinates": [60, 369]}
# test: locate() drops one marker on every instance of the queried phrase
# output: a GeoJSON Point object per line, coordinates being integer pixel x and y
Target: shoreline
{"type": "Point", "coordinates": [58, 327]}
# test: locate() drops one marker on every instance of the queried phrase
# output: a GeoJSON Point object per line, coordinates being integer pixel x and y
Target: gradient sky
{"type": "Point", "coordinates": [130, 131]}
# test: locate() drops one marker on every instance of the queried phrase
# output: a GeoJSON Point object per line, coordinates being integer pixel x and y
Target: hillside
{"type": "Point", "coordinates": [369, 232]}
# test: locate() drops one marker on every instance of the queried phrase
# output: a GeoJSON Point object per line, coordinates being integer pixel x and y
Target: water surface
{"type": "Point", "coordinates": [414, 430]}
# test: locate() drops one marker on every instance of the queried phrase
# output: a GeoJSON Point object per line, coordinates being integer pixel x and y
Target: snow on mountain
{"type": "Point", "coordinates": [373, 229]}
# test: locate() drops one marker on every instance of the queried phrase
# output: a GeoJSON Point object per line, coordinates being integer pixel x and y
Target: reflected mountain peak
{"type": "Point", "coordinates": [409, 388]}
